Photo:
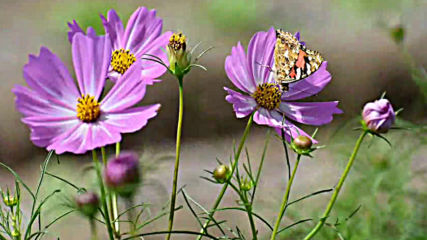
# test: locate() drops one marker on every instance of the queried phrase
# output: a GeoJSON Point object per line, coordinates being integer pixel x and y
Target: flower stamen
{"type": "Point", "coordinates": [88, 108]}
{"type": "Point", "coordinates": [178, 42]}
{"type": "Point", "coordinates": [268, 95]}
{"type": "Point", "coordinates": [121, 60]}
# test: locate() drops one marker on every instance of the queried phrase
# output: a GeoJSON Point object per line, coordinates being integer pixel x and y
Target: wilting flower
{"type": "Point", "coordinates": [251, 73]}
{"type": "Point", "coordinates": [122, 173]}
{"type": "Point", "coordinates": [87, 203]}
{"type": "Point", "coordinates": [65, 118]}
{"type": "Point", "coordinates": [143, 35]}
{"type": "Point", "coordinates": [378, 115]}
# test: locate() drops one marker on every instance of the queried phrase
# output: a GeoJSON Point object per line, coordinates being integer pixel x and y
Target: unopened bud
{"type": "Point", "coordinates": [122, 174]}
{"type": "Point", "coordinates": [221, 173]}
{"type": "Point", "coordinates": [378, 115]}
{"type": "Point", "coordinates": [303, 142]}
{"type": "Point", "coordinates": [246, 184]}
{"type": "Point", "coordinates": [87, 203]}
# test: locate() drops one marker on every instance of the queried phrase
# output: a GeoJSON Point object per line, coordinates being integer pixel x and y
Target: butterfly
{"type": "Point", "coordinates": [293, 61]}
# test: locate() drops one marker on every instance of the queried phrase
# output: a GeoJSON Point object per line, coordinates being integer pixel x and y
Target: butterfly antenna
{"type": "Point", "coordinates": [266, 66]}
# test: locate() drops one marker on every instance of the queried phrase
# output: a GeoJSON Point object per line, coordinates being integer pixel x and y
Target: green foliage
{"type": "Point", "coordinates": [391, 208]}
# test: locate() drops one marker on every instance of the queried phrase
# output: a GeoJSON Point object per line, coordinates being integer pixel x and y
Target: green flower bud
{"type": "Point", "coordinates": [303, 142]}
{"type": "Point", "coordinates": [246, 184]}
{"type": "Point", "coordinates": [10, 200]}
{"type": "Point", "coordinates": [179, 57]}
{"type": "Point", "coordinates": [16, 234]}
{"type": "Point", "coordinates": [221, 173]}
{"type": "Point", "coordinates": [397, 33]}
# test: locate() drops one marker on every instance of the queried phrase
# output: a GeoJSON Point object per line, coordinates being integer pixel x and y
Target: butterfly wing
{"type": "Point", "coordinates": [292, 60]}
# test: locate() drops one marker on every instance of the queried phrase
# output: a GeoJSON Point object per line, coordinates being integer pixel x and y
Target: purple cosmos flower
{"type": "Point", "coordinates": [379, 115]}
{"type": "Point", "coordinates": [251, 73]}
{"type": "Point", "coordinates": [65, 118]}
{"type": "Point", "coordinates": [143, 35]}
{"type": "Point", "coordinates": [122, 173]}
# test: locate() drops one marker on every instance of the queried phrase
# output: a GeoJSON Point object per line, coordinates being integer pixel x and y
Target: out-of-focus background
{"type": "Point", "coordinates": [367, 55]}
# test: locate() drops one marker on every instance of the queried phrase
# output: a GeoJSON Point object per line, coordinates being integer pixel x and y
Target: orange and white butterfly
{"type": "Point", "coordinates": [293, 61]}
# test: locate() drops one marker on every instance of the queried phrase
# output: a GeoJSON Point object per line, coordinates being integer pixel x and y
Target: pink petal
{"type": "Point", "coordinates": [130, 120]}
{"type": "Point", "coordinates": [142, 28]}
{"type": "Point", "coordinates": [91, 58]}
{"type": "Point", "coordinates": [243, 105]}
{"type": "Point", "coordinates": [238, 71]}
{"type": "Point", "coordinates": [114, 28]}
{"type": "Point", "coordinates": [261, 55]}
{"type": "Point", "coordinates": [311, 113]}
{"type": "Point", "coordinates": [49, 77]}
{"type": "Point", "coordinates": [308, 86]}
{"type": "Point", "coordinates": [127, 91]}
{"type": "Point", "coordinates": [292, 131]}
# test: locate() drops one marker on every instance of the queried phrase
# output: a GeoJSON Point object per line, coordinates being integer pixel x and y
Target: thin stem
{"type": "Point", "coordinates": [177, 155]}
{"type": "Point", "coordinates": [113, 203]}
{"type": "Point", "coordinates": [233, 168]}
{"type": "Point", "coordinates": [93, 229]}
{"type": "Point", "coordinates": [103, 195]}
{"type": "Point", "coordinates": [248, 207]}
{"type": "Point", "coordinates": [337, 188]}
{"type": "Point", "coordinates": [131, 217]}
{"type": "Point", "coordinates": [285, 199]}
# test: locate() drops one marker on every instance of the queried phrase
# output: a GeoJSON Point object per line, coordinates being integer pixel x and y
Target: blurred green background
{"type": "Point", "coordinates": [365, 59]}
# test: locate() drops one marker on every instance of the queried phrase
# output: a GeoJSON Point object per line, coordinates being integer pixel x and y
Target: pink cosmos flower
{"type": "Point", "coordinates": [143, 35]}
{"type": "Point", "coordinates": [251, 73]}
{"type": "Point", "coordinates": [69, 118]}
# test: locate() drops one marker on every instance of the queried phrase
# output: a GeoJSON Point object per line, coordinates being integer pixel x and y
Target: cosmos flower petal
{"type": "Point", "coordinates": [269, 118]}
{"type": "Point", "coordinates": [151, 69]}
{"type": "Point", "coordinates": [309, 86]}
{"type": "Point", "coordinates": [131, 120]}
{"type": "Point", "coordinates": [48, 76]}
{"type": "Point", "coordinates": [292, 131]}
{"type": "Point", "coordinates": [311, 113]}
{"type": "Point", "coordinates": [127, 91]}
{"type": "Point", "coordinates": [91, 58]}
{"type": "Point", "coordinates": [261, 55]}
{"type": "Point", "coordinates": [114, 28]}
{"type": "Point", "coordinates": [74, 28]}
{"type": "Point", "coordinates": [237, 69]}
{"type": "Point", "coordinates": [84, 137]}
{"type": "Point", "coordinates": [243, 105]}
{"type": "Point", "coordinates": [44, 133]}
{"type": "Point", "coordinates": [142, 28]}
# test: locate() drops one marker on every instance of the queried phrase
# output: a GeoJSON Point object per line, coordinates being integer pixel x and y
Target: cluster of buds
{"type": "Point", "coordinates": [122, 174]}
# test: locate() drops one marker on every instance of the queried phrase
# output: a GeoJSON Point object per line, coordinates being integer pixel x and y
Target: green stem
{"type": "Point", "coordinates": [103, 195]}
{"type": "Point", "coordinates": [233, 168]}
{"type": "Point", "coordinates": [93, 229]}
{"type": "Point", "coordinates": [248, 207]}
{"type": "Point", "coordinates": [285, 199]}
{"type": "Point", "coordinates": [112, 200]}
{"type": "Point", "coordinates": [177, 155]}
{"type": "Point", "coordinates": [337, 188]}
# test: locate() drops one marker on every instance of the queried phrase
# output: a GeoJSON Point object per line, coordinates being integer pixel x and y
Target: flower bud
{"type": "Point", "coordinates": [87, 203]}
{"type": "Point", "coordinates": [378, 115]}
{"type": "Point", "coordinates": [246, 184]}
{"type": "Point", "coordinates": [122, 174]}
{"type": "Point", "coordinates": [10, 200]}
{"type": "Point", "coordinates": [179, 58]}
{"type": "Point", "coordinates": [397, 33]}
{"type": "Point", "coordinates": [303, 142]}
{"type": "Point", "coordinates": [221, 173]}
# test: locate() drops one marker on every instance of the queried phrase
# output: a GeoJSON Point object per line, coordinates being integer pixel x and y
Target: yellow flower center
{"type": "Point", "coordinates": [268, 95]}
{"type": "Point", "coordinates": [121, 60]}
{"type": "Point", "coordinates": [177, 42]}
{"type": "Point", "coordinates": [88, 108]}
